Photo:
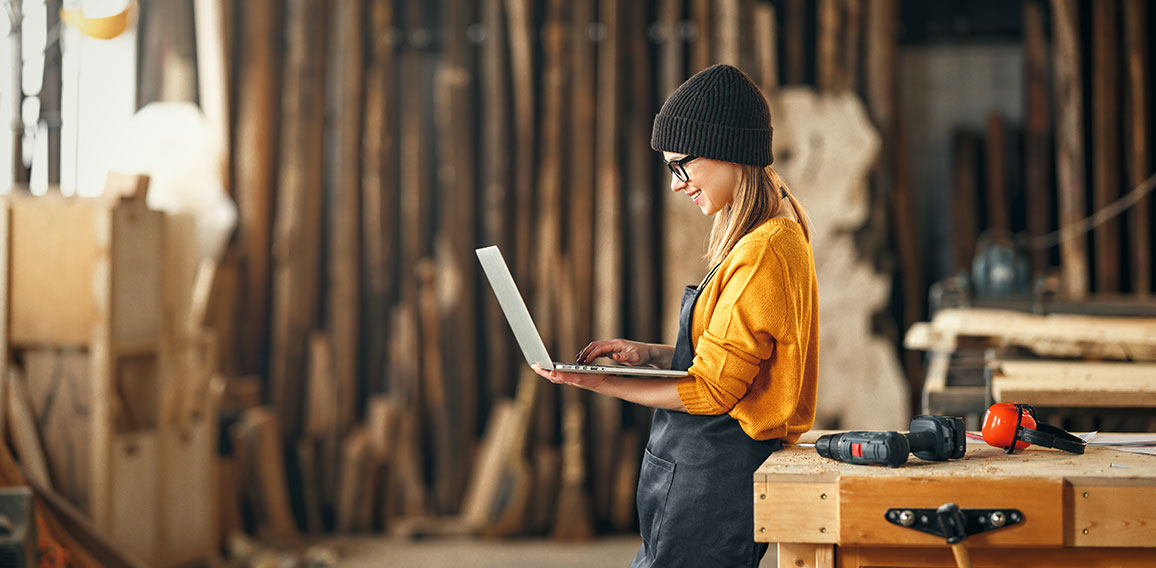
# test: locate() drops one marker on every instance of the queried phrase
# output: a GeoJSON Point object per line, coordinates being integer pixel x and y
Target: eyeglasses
{"type": "Point", "coordinates": [678, 167]}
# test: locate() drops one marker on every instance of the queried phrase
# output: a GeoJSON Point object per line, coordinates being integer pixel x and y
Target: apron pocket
{"type": "Point", "coordinates": [654, 481]}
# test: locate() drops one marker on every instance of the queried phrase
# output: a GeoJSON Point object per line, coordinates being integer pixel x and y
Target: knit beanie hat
{"type": "Point", "coordinates": [719, 114]}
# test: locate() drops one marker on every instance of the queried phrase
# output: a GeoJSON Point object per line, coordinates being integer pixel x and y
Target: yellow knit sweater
{"type": "Point", "coordinates": [756, 336]}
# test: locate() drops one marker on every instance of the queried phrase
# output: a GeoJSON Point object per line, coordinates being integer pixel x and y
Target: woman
{"type": "Point", "coordinates": [748, 334]}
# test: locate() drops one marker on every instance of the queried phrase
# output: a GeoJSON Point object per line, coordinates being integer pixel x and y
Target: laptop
{"type": "Point", "coordinates": [502, 282]}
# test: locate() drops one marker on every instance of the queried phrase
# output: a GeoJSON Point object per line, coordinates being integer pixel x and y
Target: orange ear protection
{"type": "Point", "coordinates": [1013, 426]}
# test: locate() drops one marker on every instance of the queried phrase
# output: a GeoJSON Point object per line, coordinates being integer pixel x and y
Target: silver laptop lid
{"type": "Point", "coordinates": [514, 307]}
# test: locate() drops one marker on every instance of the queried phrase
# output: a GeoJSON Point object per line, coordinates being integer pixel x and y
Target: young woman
{"type": "Point", "coordinates": [748, 334]}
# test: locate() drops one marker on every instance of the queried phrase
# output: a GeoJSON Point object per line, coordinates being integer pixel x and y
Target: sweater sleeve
{"type": "Point", "coordinates": [740, 332]}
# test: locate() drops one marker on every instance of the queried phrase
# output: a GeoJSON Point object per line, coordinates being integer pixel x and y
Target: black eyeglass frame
{"type": "Point", "coordinates": [678, 167]}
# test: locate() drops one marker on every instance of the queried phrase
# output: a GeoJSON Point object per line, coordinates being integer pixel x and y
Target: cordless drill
{"type": "Point", "coordinates": [934, 438]}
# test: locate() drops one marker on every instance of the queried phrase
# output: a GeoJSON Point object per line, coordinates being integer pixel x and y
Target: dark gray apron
{"type": "Point", "coordinates": [695, 500]}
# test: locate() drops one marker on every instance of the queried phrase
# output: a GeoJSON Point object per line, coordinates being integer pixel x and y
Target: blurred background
{"type": "Point", "coordinates": [243, 310]}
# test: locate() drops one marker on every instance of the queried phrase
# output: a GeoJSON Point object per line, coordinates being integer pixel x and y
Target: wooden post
{"type": "Point", "coordinates": [581, 159]}
{"type": "Point", "coordinates": [794, 41]}
{"type": "Point", "coordinates": [440, 422]}
{"type": "Point", "coordinates": [1106, 34]}
{"type": "Point", "coordinates": [257, 124]}
{"type": "Point", "coordinates": [1069, 146]}
{"type": "Point", "coordinates": [257, 438]}
{"type": "Point", "coordinates": [345, 212]}
{"type": "Point", "coordinates": [496, 196]}
{"type": "Point", "coordinates": [606, 413]}
{"type": "Point", "coordinates": [378, 192]}
{"type": "Point", "coordinates": [964, 198]}
{"type": "Point", "coordinates": [1037, 161]}
{"type": "Point", "coordinates": [297, 227]}
{"type": "Point", "coordinates": [998, 202]}
{"type": "Point", "coordinates": [1138, 139]}
{"type": "Point", "coordinates": [827, 68]}
{"type": "Point", "coordinates": [852, 26]}
{"type": "Point", "coordinates": [671, 56]}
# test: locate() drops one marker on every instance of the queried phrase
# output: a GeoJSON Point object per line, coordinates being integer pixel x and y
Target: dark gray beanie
{"type": "Point", "coordinates": [719, 114]}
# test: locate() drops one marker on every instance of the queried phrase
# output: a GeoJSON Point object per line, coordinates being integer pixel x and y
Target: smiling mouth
{"type": "Point", "coordinates": [694, 196]}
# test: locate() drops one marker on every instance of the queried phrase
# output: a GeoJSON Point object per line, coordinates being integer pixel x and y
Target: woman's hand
{"type": "Point", "coordinates": [624, 352]}
{"type": "Point", "coordinates": [588, 381]}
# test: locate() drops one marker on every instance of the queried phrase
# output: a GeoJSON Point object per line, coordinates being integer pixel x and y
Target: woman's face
{"type": "Point", "coordinates": [711, 185]}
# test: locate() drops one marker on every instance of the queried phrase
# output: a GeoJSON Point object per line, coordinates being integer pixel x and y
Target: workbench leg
{"type": "Point", "coordinates": [795, 555]}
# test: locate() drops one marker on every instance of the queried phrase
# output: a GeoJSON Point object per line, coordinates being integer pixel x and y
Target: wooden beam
{"type": "Point", "coordinates": [827, 68]}
{"type": "Point", "coordinates": [1069, 145]}
{"type": "Point", "coordinates": [702, 48]}
{"type": "Point", "coordinates": [258, 438]}
{"type": "Point", "coordinates": [25, 433]}
{"type": "Point", "coordinates": [727, 22]}
{"type": "Point", "coordinates": [297, 226]}
{"type": "Point", "coordinates": [853, 22]}
{"type": "Point", "coordinates": [1105, 106]}
{"type": "Point", "coordinates": [580, 208]}
{"type": "Point", "coordinates": [440, 419]}
{"type": "Point", "coordinates": [1075, 384]}
{"type": "Point", "coordinates": [1137, 129]}
{"type": "Point", "coordinates": [1037, 159]}
{"type": "Point", "coordinates": [520, 18]}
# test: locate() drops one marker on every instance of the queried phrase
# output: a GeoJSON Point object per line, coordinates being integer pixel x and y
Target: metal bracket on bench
{"type": "Point", "coordinates": [975, 521]}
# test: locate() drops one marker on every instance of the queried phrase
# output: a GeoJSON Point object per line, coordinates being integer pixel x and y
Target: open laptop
{"type": "Point", "coordinates": [527, 334]}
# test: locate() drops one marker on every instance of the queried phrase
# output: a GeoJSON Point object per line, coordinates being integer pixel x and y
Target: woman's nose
{"type": "Point", "coordinates": [676, 184]}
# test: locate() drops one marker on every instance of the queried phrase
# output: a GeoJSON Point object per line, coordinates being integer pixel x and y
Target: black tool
{"type": "Point", "coordinates": [933, 438]}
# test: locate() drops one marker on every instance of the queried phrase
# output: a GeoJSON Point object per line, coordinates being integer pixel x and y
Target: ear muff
{"type": "Point", "coordinates": [1013, 426]}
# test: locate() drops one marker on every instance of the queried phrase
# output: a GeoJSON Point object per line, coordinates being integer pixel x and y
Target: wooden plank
{"type": "Point", "coordinates": [25, 434]}
{"type": "Point", "coordinates": [493, 454]}
{"type": "Point", "coordinates": [1069, 145]}
{"type": "Point", "coordinates": [378, 192]}
{"type": "Point", "coordinates": [766, 47]}
{"type": "Point", "coordinates": [212, 43]}
{"type": "Point", "coordinates": [671, 50]}
{"type": "Point", "coordinates": [644, 292]}
{"type": "Point", "coordinates": [623, 494]}
{"type": "Point", "coordinates": [135, 494]}
{"type": "Point", "coordinates": [497, 198]}
{"type": "Point", "coordinates": [546, 499]}
{"type": "Point", "coordinates": [797, 511]}
{"type": "Point", "coordinates": [1110, 515]}
{"type": "Point", "coordinates": [297, 225]}
{"type": "Point", "coordinates": [964, 198]}
{"type": "Point", "coordinates": [520, 20]}
{"type": "Point", "coordinates": [608, 245]}
{"type": "Point", "coordinates": [998, 200]}
{"type": "Point", "coordinates": [321, 411]}
{"type": "Point", "coordinates": [863, 503]}
{"type": "Point", "coordinates": [258, 101]}
{"type": "Point", "coordinates": [853, 23]}
{"type": "Point", "coordinates": [1037, 161]}
{"type": "Point", "coordinates": [188, 527]}
{"type": "Point", "coordinates": [455, 96]}
{"type": "Point", "coordinates": [1105, 107]}
{"type": "Point", "coordinates": [59, 387]}
{"type": "Point", "coordinates": [795, 555]}
{"type": "Point", "coordinates": [344, 211]}
{"type": "Point", "coordinates": [441, 420]}
{"type": "Point", "coordinates": [310, 484]}
{"type": "Point", "coordinates": [52, 267]}
{"type": "Point", "coordinates": [727, 21]}
{"type": "Point", "coordinates": [1137, 143]}
{"type": "Point", "coordinates": [580, 208]}
{"type": "Point", "coordinates": [1056, 335]}
{"type": "Point", "coordinates": [794, 42]}
{"type": "Point", "coordinates": [827, 68]}
{"type": "Point", "coordinates": [1075, 383]}
{"type": "Point", "coordinates": [354, 459]}
{"type": "Point", "coordinates": [702, 47]}
{"type": "Point", "coordinates": [258, 435]}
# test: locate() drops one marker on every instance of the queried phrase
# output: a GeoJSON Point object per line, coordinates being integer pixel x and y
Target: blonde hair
{"type": "Point", "coordinates": [757, 198]}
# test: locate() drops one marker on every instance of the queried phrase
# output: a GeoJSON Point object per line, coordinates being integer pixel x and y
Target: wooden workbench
{"type": "Point", "coordinates": [1098, 509]}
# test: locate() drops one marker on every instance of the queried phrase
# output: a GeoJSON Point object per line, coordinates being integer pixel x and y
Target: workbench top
{"type": "Point", "coordinates": [981, 460]}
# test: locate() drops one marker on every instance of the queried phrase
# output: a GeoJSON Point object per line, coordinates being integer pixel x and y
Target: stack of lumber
{"type": "Point", "coordinates": [107, 377]}
{"type": "Point", "coordinates": [1057, 361]}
